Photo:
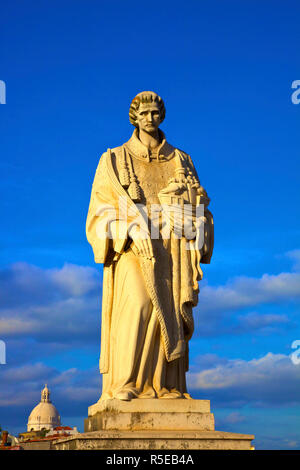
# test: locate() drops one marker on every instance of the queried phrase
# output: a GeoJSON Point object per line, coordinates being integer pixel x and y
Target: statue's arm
{"type": "Point", "coordinates": [102, 222]}
{"type": "Point", "coordinates": [99, 244]}
{"type": "Point", "coordinates": [106, 230]}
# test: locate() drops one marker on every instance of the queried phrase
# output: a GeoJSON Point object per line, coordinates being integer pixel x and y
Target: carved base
{"type": "Point", "coordinates": [156, 440]}
{"type": "Point", "coordinates": [153, 424]}
{"type": "Point", "coordinates": [150, 414]}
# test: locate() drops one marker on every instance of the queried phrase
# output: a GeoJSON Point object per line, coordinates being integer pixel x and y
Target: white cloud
{"type": "Point", "coordinates": [75, 280]}
{"type": "Point", "coordinates": [246, 292]}
{"type": "Point", "coordinates": [16, 326]}
{"type": "Point", "coordinates": [272, 379]}
{"type": "Point", "coordinates": [254, 321]}
{"type": "Point", "coordinates": [234, 418]}
{"type": "Point", "coordinates": [72, 391]}
{"type": "Point", "coordinates": [23, 284]}
{"type": "Point", "coordinates": [216, 313]}
{"type": "Point", "coordinates": [50, 304]}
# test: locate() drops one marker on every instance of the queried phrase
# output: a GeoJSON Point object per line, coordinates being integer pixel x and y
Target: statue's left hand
{"type": "Point", "coordinates": [174, 188]}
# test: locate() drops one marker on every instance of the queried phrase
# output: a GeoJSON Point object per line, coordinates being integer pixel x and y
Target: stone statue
{"type": "Point", "coordinates": [150, 283]}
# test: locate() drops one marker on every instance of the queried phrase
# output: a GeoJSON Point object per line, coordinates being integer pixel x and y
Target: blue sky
{"type": "Point", "coordinates": [225, 71]}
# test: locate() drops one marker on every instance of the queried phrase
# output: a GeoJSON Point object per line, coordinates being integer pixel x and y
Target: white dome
{"type": "Point", "coordinates": [44, 415]}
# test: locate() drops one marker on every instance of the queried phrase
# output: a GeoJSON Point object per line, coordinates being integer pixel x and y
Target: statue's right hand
{"type": "Point", "coordinates": [141, 245]}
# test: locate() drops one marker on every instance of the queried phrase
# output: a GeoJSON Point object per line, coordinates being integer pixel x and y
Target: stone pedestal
{"type": "Point", "coordinates": [150, 415]}
{"type": "Point", "coordinates": [153, 424]}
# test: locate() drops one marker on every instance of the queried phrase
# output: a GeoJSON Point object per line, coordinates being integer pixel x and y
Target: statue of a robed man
{"type": "Point", "coordinates": [145, 193]}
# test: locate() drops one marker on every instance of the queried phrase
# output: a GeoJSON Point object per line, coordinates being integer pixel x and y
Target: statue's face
{"type": "Point", "coordinates": [148, 117]}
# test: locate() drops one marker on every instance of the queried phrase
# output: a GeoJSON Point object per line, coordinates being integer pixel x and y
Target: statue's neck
{"type": "Point", "coordinates": [151, 141]}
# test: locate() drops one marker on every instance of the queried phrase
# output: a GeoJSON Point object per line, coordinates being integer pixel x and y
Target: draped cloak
{"type": "Point", "coordinates": [171, 282]}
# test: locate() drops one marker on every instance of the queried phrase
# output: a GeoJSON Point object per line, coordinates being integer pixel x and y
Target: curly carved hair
{"type": "Point", "coordinates": [146, 97]}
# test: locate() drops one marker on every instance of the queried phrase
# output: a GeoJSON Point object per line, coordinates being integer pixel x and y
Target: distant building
{"type": "Point", "coordinates": [44, 426]}
{"type": "Point", "coordinates": [42, 440]}
{"type": "Point", "coordinates": [44, 415]}
{"type": "Point", "coordinates": [32, 435]}
{"type": "Point", "coordinates": [8, 442]}
{"type": "Point", "coordinates": [62, 431]}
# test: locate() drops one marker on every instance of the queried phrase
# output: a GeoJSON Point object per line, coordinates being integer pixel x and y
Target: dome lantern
{"type": "Point", "coordinates": [45, 395]}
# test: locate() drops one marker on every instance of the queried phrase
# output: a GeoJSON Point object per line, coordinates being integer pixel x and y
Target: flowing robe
{"type": "Point", "coordinates": [147, 316]}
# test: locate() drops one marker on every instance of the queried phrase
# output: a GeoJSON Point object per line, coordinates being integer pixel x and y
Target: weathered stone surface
{"type": "Point", "coordinates": [151, 405]}
{"type": "Point", "coordinates": [151, 421]}
{"type": "Point", "coordinates": [152, 414]}
{"type": "Point", "coordinates": [153, 424]}
{"type": "Point", "coordinates": [37, 445]}
{"type": "Point", "coordinates": [180, 440]}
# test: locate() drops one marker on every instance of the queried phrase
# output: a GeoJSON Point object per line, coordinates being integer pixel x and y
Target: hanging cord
{"type": "Point", "coordinates": [133, 189]}
{"type": "Point", "coordinates": [124, 175]}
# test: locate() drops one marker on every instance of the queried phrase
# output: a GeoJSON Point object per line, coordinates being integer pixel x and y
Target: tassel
{"type": "Point", "coordinates": [124, 175]}
{"type": "Point", "coordinates": [124, 178]}
{"type": "Point", "coordinates": [134, 190]}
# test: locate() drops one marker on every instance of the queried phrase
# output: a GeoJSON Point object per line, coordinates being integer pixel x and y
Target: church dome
{"type": "Point", "coordinates": [44, 415]}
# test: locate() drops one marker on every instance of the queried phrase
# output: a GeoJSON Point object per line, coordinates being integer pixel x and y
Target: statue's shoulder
{"type": "Point", "coordinates": [187, 161]}
{"type": "Point", "coordinates": [111, 154]}
{"type": "Point", "coordinates": [111, 159]}
{"type": "Point", "coordinates": [184, 156]}
{"type": "Point", "coordinates": [114, 154]}
{"type": "Point", "coordinates": [101, 163]}
{"type": "Point", "coordinates": [170, 150]}
{"type": "Point", "coordinates": [116, 151]}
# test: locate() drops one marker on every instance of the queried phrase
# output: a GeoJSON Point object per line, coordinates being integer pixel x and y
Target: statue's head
{"type": "Point", "coordinates": [147, 111]}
